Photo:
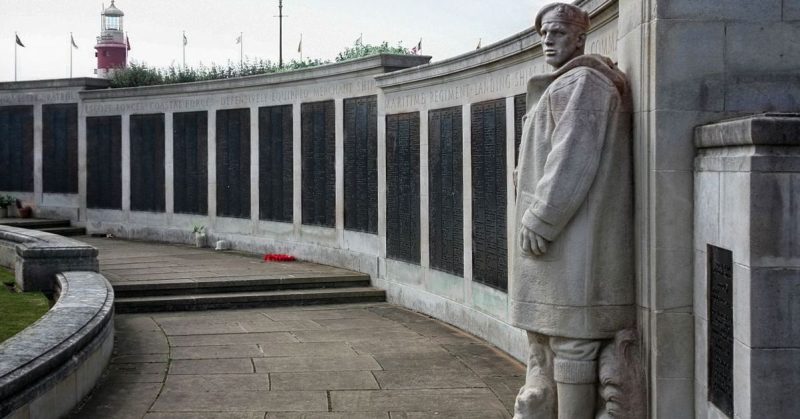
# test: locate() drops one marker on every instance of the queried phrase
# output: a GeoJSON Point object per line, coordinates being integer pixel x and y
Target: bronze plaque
{"type": "Point", "coordinates": [233, 163]}
{"type": "Point", "coordinates": [147, 162]}
{"type": "Point", "coordinates": [318, 163]}
{"type": "Point", "coordinates": [16, 148]}
{"type": "Point", "coordinates": [445, 207]}
{"type": "Point", "coordinates": [720, 328]}
{"type": "Point", "coordinates": [190, 162]}
{"type": "Point", "coordinates": [275, 173]}
{"type": "Point", "coordinates": [104, 162]}
{"type": "Point", "coordinates": [60, 148]}
{"type": "Point", "coordinates": [489, 205]}
{"type": "Point", "coordinates": [402, 187]}
{"type": "Point", "coordinates": [361, 164]}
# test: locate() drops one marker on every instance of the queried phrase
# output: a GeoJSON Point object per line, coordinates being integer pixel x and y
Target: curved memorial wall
{"type": "Point", "coordinates": [386, 165]}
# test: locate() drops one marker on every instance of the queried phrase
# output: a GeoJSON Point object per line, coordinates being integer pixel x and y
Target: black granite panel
{"type": "Point", "coordinates": [60, 148]}
{"type": "Point", "coordinates": [190, 162]}
{"type": "Point", "coordinates": [519, 111]}
{"type": "Point", "coordinates": [489, 246]}
{"type": "Point", "coordinates": [147, 162]}
{"type": "Point", "coordinates": [318, 145]}
{"type": "Point", "coordinates": [402, 187]}
{"type": "Point", "coordinates": [16, 148]}
{"type": "Point", "coordinates": [104, 162]}
{"type": "Point", "coordinates": [275, 139]}
{"type": "Point", "coordinates": [445, 189]}
{"type": "Point", "coordinates": [361, 164]}
{"type": "Point", "coordinates": [720, 328]}
{"type": "Point", "coordinates": [233, 163]}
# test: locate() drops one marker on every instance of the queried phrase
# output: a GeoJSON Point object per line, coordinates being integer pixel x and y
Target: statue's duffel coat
{"type": "Point", "coordinates": [575, 189]}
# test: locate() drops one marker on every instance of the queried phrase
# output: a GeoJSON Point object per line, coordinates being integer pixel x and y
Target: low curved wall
{"type": "Point", "coordinates": [46, 369]}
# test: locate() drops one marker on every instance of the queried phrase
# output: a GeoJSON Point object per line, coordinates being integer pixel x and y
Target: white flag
{"type": "Point", "coordinates": [71, 38]}
{"type": "Point", "coordinates": [239, 39]}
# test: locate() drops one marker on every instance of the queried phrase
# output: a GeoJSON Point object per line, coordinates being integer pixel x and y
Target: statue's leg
{"type": "Point", "coordinates": [575, 372]}
{"type": "Point", "coordinates": [537, 398]}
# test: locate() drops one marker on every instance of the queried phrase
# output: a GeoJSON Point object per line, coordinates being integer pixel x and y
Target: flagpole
{"type": "Point", "coordinates": [241, 49]}
{"type": "Point", "coordinates": [301, 47]}
{"type": "Point", "coordinates": [70, 55]}
{"type": "Point", "coordinates": [183, 42]}
{"type": "Point", "coordinates": [15, 55]}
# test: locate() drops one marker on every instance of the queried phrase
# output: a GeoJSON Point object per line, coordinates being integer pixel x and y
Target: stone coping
{"type": "Point", "coordinates": [34, 244]}
{"type": "Point", "coordinates": [47, 352]}
{"type": "Point", "coordinates": [366, 65]}
{"type": "Point", "coordinates": [519, 47]}
{"type": "Point", "coordinates": [768, 129]}
{"type": "Point", "coordinates": [85, 82]}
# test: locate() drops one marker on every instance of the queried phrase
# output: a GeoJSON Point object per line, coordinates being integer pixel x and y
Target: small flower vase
{"type": "Point", "coordinates": [199, 240]}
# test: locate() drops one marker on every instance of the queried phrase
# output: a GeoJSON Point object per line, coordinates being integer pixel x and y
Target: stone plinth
{"type": "Point", "coordinates": [747, 195]}
{"type": "Point", "coordinates": [40, 256]}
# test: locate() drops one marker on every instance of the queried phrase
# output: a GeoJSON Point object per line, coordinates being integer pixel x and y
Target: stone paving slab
{"type": "Point", "coordinates": [330, 380]}
{"type": "Point", "coordinates": [302, 364]}
{"type": "Point", "coordinates": [232, 400]}
{"type": "Point", "coordinates": [206, 415]}
{"type": "Point", "coordinates": [423, 400]}
{"type": "Point", "coordinates": [239, 338]}
{"type": "Point", "coordinates": [217, 382]}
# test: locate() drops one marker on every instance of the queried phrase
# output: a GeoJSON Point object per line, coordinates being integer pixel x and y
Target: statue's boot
{"type": "Point", "coordinates": [536, 400]}
{"type": "Point", "coordinates": [576, 401]}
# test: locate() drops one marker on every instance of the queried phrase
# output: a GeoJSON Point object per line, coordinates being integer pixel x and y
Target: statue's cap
{"type": "Point", "coordinates": [563, 13]}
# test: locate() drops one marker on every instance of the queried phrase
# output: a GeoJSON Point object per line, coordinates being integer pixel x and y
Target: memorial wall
{"type": "Point", "coordinates": [386, 165]}
{"type": "Point", "coordinates": [403, 170]}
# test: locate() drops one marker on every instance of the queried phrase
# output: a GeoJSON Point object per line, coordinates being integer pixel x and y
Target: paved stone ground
{"type": "Point", "coordinates": [346, 361]}
{"type": "Point", "coordinates": [354, 361]}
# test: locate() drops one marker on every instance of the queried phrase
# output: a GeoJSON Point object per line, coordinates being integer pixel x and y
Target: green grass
{"type": "Point", "coordinates": [18, 310]}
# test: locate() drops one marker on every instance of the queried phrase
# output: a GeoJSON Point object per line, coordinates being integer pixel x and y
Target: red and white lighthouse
{"type": "Point", "coordinates": [112, 48]}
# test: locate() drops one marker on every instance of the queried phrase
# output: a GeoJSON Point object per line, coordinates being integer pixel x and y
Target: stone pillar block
{"type": "Point", "coordinates": [38, 262]}
{"type": "Point", "coordinates": [747, 177]}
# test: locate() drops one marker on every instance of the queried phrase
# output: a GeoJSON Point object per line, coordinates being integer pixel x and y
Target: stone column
{"type": "Point", "coordinates": [424, 191]}
{"type": "Point", "coordinates": [747, 198]}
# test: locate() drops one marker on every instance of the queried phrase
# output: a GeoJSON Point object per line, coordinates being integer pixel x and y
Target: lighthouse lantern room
{"type": "Point", "coordinates": [112, 48]}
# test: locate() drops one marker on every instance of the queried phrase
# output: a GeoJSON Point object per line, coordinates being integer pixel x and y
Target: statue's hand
{"type": "Point", "coordinates": [531, 243]}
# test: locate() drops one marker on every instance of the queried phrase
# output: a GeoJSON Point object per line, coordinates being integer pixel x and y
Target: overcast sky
{"type": "Point", "coordinates": [447, 28]}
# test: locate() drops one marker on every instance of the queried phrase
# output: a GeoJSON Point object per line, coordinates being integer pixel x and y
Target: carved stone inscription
{"type": "Point", "coordinates": [190, 162]}
{"type": "Point", "coordinates": [275, 149]}
{"type": "Point", "coordinates": [361, 164]}
{"type": "Point", "coordinates": [720, 328]}
{"type": "Point", "coordinates": [489, 243]}
{"type": "Point", "coordinates": [318, 122]}
{"type": "Point", "coordinates": [104, 162]}
{"type": "Point", "coordinates": [446, 222]}
{"type": "Point", "coordinates": [402, 187]}
{"type": "Point", "coordinates": [233, 163]}
{"type": "Point", "coordinates": [60, 148]}
{"type": "Point", "coordinates": [147, 162]}
{"type": "Point", "coordinates": [16, 148]}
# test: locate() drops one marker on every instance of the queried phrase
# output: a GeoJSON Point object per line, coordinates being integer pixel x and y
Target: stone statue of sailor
{"type": "Point", "coordinates": [573, 280]}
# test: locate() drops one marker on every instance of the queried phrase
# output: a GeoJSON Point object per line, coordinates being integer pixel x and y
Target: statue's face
{"type": "Point", "coordinates": [561, 42]}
